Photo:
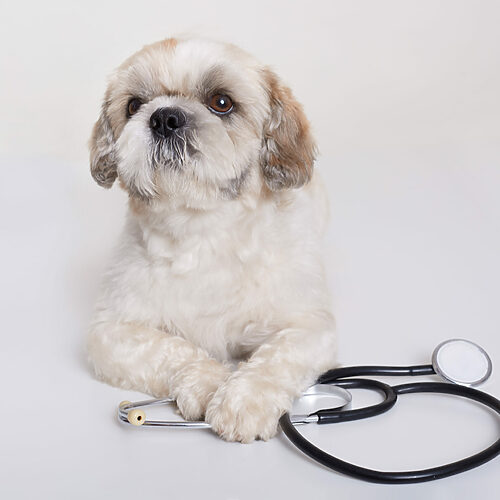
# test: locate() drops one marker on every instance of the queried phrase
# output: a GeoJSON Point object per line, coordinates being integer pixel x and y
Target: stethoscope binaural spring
{"type": "Point", "coordinates": [461, 362]}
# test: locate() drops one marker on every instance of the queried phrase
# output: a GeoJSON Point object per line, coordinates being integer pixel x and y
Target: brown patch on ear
{"type": "Point", "coordinates": [289, 149]}
{"type": "Point", "coordinates": [103, 161]}
{"type": "Point", "coordinates": [170, 43]}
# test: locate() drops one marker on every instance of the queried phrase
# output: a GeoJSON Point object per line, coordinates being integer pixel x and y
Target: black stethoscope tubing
{"type": "Point", "coordinates": [337, 377]}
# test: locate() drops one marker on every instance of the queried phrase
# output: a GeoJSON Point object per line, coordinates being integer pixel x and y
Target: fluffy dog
{"type": "Point", "coordinates": [216, 295]}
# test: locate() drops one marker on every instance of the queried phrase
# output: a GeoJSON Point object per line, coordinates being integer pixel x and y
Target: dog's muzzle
{"type": "Point", "coordinates": [166, 121]}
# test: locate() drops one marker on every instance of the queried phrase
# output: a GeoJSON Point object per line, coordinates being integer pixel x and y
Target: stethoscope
{"type": "Point", "coordinates": [461, 362]}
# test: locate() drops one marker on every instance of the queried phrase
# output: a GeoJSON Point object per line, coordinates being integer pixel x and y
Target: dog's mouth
{"type": "Point", "coordinates": [170, 152]}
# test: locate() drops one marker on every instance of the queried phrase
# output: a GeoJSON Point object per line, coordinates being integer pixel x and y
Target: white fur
{"type": "Point", "coordinates": [192, 290]}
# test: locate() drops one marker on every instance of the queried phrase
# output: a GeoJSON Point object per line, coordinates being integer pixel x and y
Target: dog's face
{"type": "Point", "coordinates": [196, 120]}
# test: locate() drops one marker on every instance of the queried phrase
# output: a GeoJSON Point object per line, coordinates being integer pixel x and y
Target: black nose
{"type": "Point", "coordinates": [165, 120]}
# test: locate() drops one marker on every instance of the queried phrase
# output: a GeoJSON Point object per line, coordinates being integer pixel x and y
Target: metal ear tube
{"type": "Point", "coordinates": [133, 413]}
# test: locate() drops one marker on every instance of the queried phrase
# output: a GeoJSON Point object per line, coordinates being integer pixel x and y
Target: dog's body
{"type": "Point", "coordinates": [221, 255]}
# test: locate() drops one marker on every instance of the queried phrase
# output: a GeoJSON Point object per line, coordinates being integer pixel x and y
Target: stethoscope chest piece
{"type": "Point", "coordinates": [462, 362]}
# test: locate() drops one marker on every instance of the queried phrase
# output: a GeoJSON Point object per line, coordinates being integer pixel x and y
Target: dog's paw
{"type": "Point", "coordinates": [195, 385]}
{"type": "Point", "coordinates": [246, 408]}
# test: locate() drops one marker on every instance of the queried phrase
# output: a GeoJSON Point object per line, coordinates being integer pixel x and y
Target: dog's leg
{"type": "Point", "coordinates": [154, 362]}
{"type": "Point", "coordinates": [249, 404]}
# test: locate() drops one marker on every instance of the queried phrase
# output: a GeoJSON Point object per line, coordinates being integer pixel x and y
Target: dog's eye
{"type": "Point", "coordinates": [133, 106]}
{"type": "Point", "coordinates": [220, 104]}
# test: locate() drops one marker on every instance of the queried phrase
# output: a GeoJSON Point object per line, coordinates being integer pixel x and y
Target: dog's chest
{"type": "Point", "coordinates": [210, 289]}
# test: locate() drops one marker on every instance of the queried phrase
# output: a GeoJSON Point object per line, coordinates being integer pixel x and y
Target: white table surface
{"type": "Point", "coordinates": [413, 259]}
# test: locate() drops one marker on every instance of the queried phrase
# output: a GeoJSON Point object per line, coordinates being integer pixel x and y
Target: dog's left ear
{"type": "Point", "coordinates": [103, 161]}
{"type": "Point", "coordinates": [289, 149]}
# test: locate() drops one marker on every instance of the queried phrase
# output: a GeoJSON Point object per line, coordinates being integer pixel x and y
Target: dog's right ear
{"type": "Point", "coordinates": [103, 158]}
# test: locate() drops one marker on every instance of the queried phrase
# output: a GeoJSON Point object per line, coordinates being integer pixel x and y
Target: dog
{"type": "Point", "coordinates": [216, 294]}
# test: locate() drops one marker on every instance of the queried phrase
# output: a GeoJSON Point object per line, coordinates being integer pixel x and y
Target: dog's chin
{"type": "Point", "coordinates": [175, 181]}
{"type": "Point", "coordinates": [176, 171]}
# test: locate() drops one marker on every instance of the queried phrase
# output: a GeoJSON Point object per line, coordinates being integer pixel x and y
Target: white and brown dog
{"type": "Point", "coordinates": [220, 259]}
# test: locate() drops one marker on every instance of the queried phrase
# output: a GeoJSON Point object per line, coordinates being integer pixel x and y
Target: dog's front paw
{"type": "Point", "coordinates": [195, 385]}
{"type": "Point", "coordinates": [246, 408]}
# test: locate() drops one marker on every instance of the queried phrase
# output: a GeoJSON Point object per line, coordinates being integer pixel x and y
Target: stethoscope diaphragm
{"type": "Point", "coordinates": [462, 362]}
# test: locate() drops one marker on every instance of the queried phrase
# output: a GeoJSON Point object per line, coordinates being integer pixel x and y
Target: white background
{"type": "Point", "coordinates": [404, 100]}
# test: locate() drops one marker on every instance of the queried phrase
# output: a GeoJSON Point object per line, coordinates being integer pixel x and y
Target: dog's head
{"type": "Point", "coordinates": [197, 119]}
